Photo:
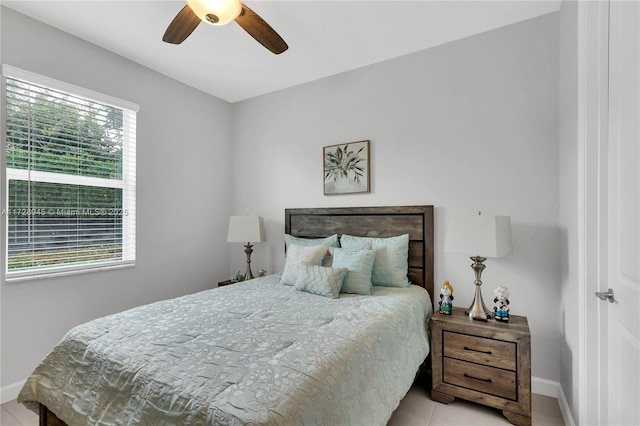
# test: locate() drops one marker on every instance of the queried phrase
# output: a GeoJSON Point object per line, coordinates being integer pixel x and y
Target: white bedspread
{"type": "Point", "coordinates": [251, 353]}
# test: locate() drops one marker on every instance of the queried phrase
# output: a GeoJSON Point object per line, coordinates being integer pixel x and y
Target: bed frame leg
{"type": "Point", "coordinates": [47, 418]}
{"type": "Point", "coordinates": [423, 376]}
{"type": "Point", "coordinates": [43, 415]}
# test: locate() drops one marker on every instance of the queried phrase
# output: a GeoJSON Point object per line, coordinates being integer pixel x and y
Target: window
{"type": "Point", "coordinates": [70, 177]}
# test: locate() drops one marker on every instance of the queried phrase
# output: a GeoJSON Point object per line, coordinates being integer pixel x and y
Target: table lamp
{"type": "Point", "coordinates": [480, 236]}
{"type": "Point", "coordinates": [246, 229]}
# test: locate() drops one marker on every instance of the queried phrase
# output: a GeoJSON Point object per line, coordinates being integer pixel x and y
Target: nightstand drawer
{"type": "Point", "coordinates": [494, 353]}
{"type": "Point", "coordinates": [493, 381]}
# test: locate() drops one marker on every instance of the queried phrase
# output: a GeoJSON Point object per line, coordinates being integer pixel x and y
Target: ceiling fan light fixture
{"type": "Point", "coordinates": [216, 12]}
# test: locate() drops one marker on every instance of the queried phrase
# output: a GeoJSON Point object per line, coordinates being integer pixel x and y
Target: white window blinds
{"type": "Point", "coordinates": [71, 177]}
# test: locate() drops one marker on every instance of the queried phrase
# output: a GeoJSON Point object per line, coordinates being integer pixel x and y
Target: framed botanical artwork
{"type": "Point", "coordinates": [346, 168]}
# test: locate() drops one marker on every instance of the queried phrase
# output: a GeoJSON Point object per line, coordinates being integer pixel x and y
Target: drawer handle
{"type": "Point", "coordinates": [477, 378]}
{"type": "Point", "coordinates": [466, 348]}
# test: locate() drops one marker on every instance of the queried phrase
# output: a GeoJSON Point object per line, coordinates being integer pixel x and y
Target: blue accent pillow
{"type": "Point", "coordinates": [391, 265]}
{"type": "Point", "coordinates": [359, 264]}
{"type": "Point", "coordinates": [330, 241]}
{"type": "Point", "coordinates": [320, 280]}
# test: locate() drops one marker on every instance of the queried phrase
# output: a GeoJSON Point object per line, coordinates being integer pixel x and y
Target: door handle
{"type": "Point", "coordinates": [608, 295]}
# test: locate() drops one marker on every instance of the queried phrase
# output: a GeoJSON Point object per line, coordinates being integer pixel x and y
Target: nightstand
{"type": "Point", "coordinates": [484, 362]}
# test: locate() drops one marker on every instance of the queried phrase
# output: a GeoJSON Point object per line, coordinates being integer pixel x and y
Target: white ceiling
{"type": "Point", "coordinates": [325, 37]}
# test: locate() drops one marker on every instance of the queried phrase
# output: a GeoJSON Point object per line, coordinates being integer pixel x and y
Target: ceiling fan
{"type": "Point", "coordinates": [221, 12]}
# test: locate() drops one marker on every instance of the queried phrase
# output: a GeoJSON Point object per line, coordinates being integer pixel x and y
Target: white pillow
{"type": "Point", "coordinates": [296, 255]}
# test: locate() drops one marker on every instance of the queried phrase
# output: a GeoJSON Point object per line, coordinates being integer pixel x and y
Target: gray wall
{"type": "Point", "coordinates": [466, 126]}
{"type": "Point", "coordinates": [182, 204]}
{"type": "Point", "coordinates": [568, 186]}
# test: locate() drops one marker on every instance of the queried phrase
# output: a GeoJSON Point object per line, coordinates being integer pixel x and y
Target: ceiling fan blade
{"type": "Point", "coordinates": [261, 31]}
{"type": "Point", "coordinates": [182, 26]}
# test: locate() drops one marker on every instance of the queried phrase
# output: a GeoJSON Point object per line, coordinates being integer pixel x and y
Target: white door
{"type": "Point", "coordinates": [623, 216]}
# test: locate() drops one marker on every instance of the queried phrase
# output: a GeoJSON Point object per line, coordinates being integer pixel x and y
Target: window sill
{"type": "Point", "coordinates": [65, 271]}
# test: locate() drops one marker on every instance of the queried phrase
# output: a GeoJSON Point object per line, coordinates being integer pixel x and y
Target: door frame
{"type": "Point", "coordinates": [593, 104]}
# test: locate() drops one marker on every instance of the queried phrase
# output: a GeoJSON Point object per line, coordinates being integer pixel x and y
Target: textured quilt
{"type": "Point", "coordinates": [251, 353]}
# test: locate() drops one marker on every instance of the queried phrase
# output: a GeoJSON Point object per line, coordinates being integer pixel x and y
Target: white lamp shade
{"type": "Point", "coordinates": [246, 229]}
{"type": "Point", "coordinates": [479, 235]}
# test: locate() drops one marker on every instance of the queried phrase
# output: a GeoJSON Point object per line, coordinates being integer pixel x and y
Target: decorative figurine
{"type": "Point", "coordinates": [501, 301]}
{"type": "Point", "coordinates": [446, 298]}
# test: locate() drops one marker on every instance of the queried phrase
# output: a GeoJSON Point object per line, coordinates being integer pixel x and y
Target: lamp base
{"type": "Point", "coordinates": [478, 310]}
{"type": "Point", "coordinates": [248, 249]}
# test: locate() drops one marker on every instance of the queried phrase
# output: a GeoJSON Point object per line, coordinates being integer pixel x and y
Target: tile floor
{"type": "Point", "coordinates": [415, 409]}
{"type": "Point", "coordinates": [14, 414]}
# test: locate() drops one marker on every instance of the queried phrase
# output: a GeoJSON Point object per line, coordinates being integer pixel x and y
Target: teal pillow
{"type": "Point", "coordinates": [391, 265]}
{"type": "Point", "coordinates": [330, 241]}
{"type": "Point", "coordinates": [320, 280]}
{"type": "Point", "coordinates": [360, 265]}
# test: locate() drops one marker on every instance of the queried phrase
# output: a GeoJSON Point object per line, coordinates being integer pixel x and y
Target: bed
{"type": "Point", "coordinates": [257, 352]}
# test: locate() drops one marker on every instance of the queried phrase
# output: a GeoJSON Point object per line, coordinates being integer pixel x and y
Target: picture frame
{"type": "Point", "coordinates": [346, 168]}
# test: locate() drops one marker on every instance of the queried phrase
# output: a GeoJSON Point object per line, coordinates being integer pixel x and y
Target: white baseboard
{"type": "Point", "coordinates": [540, 386]}
{"type": "Point", "coordinates": [554, 390]}
{"type": "Point", "coordinates": [9, 393]}
{"type": "Point", "coordinates": [564, 408]}
{"type": "Point", "coordinates": [545, 387]}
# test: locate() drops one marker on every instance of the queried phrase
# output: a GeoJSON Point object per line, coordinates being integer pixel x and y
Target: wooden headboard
{"type": "Point", "coordinates": [417, 221]}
